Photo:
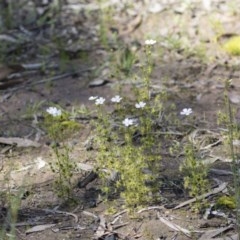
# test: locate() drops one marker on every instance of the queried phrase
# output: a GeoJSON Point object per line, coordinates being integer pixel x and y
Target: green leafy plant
{"type": "Point", "coordinates": [126, 60]}
{"type": "Point", "coordinates": [232, 46]}
{"type": "Point", "coordinates": [105, 20]}
{"type": "Point", "coordinates": [10, 204]}
{"type": "Point", "coordinates": [195, 174]}
{"type": "Point", "coordinates": [226, 202]}
{"type": "Point", "coordinates": [128, 159]}
{"type": "Point", "coordinates": [59, 127]}
{"type": "Point", "coordinates": [128, 150]}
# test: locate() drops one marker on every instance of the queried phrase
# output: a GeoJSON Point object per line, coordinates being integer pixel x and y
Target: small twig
{"type": "Point", "coordinates": [220, 172]}
{"type": "Point", "coordinates": [120, 225]}
{"type": "Point", "coordinates": [77, 227]}
{"type": "Point", "coordinates": [8, 38]}
{"type": "Point", "coordinates": [151, 208]}
{"type": "Point", "coordinates": [52, 79]}
{"type": "Point", "coordinates": [62, 212]}
{"type": "Point", "coordinates": [170, 133]}
{"type": "Point", "coordinates": [37, 66]}
{"type": "Point", "coordinates": [21, 224]}
{"type": "Point", "coordinates": [65, 75]}
{"type": "Point", "coordinates": [86, 213]}
{"type": "Point", "coordinates": [120, 213]}
{"type": "Point", "coordinates": [214, 191]}
{"type": "Point", "coordinates": [115, 220]}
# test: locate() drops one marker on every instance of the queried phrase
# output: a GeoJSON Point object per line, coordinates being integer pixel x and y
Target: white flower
{"type": "Point", "coordinates": [150, 42]}
{"type": "Point", "coordinates": [207, 4]}
{"type": "Point", "coordinates": [127, 122]}
{"type": "Point", "coordinates": [54, 111]}
{"type": "Point", "coordinates": [186, 111]}
{"type": "Point", "coordinates": [116, 99]}
{"type": "Point", "coordinates": [93, 98]}
{"type": "Point", "coordinates": [100, 101]}
{"type": "Point", "coordinates": [140, 105]}
{"type": "Point", "coordinates": [40, 163]}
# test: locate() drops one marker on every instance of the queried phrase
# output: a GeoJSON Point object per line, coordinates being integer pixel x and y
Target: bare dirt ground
{"type": "Point", "coordinates": [188, 63]}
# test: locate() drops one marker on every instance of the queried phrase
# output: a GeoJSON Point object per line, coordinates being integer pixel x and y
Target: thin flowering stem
{"type": "Point", "coordinates": [147, 72]}
{"type": "Point", "coordinates": [128, 130]}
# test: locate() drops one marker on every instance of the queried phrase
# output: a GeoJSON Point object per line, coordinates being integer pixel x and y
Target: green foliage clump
{"type": "Point", "coordinates": [12, 202]}
{"type": "Point", "coordinates": [58, 129]}
{"type": "Point", "coordinates": [195, 173]}
{"type": "Point", "coordinates": [232, 46]}
{"type": "Point", "coordinates": [226, 202]}
{"type": "Point", "coordinates": [130, 152]}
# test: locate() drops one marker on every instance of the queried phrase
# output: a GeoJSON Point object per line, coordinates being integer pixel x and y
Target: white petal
{"type": "Point", "coordinates": [93, 98]}
{"type": "Point", "coordinates": [40, 163]}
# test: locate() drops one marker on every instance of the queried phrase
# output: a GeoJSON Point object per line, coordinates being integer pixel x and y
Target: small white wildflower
{"type": "Point", "coordinates": [54, 111]}
{"type": "Point", "coordinates": [186, 111]}
{"type": "Point", "coordinates": [140, 105]}
{"type": "Point", "coordinates": [40, 163]}
{"type": "Point", "coordinates": [92, 98]}
{"type": "Point", "coordinates": [150, 42]}
{"type": "Point", "coordinates": [100, 101]}
{"type": "Point", "coordinates": [207, 4]}
{"type": "Point", "coordinates": [116, 99]}
{"type": "Point", "coordinates": [127, 122]}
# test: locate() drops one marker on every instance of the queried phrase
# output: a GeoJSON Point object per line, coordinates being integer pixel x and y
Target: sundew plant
{"type": "Point", "coordinates": [126, 155]}
{"type": "Point", "coordinates": [129, 157]}
{"type": "Point", "coordinates": [129, 140]}
{"type": "Point", "coordinates": [59, 127]}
